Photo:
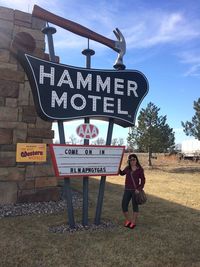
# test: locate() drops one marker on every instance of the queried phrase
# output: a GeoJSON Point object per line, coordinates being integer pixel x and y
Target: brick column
{"type": "Point", "coordinates": [19, 122]}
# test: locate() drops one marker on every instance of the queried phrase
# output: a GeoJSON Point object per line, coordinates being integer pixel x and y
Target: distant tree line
{"type": "Point", "coordinates": [98, 141]}
{"type": "Point", "coordinates": [152, 133]}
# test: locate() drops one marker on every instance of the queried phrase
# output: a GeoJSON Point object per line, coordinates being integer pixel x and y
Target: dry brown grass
{"type": "Point", "coordinates": [167, 234]}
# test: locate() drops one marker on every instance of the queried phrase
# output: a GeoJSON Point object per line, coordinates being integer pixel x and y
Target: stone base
{"type": "Point", "coordinates": [8, 192]}
{"type": "Point", "coordinates": [42, 195]}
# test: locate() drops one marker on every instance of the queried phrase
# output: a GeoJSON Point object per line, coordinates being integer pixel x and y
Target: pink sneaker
{"type": "Point", "coordinates": [131, 225]}
{"type": "Point", "coordinates": [127, 223]}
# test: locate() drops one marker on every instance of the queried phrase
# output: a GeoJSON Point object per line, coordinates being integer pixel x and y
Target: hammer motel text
{"type": "Point", "coordinates": [100, 91]}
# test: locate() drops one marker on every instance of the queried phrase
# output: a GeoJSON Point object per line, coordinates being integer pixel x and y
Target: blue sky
{"type": "Point", "coordinates": [163, 42]}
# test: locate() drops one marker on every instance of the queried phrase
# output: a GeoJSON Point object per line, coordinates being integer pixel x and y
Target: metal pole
{"type": "Point", "coordinates": [88, 53]}
{"type": "Point", "coordinates": [103, 178]}
{"type": "Point", "coordinates": [49, 31]}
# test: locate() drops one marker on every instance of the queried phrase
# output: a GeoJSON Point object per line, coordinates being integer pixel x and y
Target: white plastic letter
{"type": "Point", "coordinates": [119, 84]}
{"type": "Point", "coordinates": [87, 81]}
{"type": "Point", "coordinates": [132, 86]}
{"type": "Point", "coordinates": [94, 101]}
{"type": "Point", "coordinates": [103, 85]}
{"type": "Point", "coordinates": [55, 99]}
{"type": "Point", "coordinates": [119, 108]}
{"type": "Point", "coordinates": [47, 75]}
{"type": "Point", "coordinates": [83, 102]}
{"type": "Point", "coordinates": [106, 104]}
{"type": "Point", "coordinates": [62, 79]}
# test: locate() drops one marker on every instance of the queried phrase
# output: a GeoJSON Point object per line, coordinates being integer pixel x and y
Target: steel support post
{"type": "Point", "coordinates": [103, 178]}
{"type": "Point", "coordinates": [49, 31]}
{"type": "Point", "coordinates": [88, 53]}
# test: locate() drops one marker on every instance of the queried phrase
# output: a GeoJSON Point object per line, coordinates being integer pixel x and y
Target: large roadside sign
{"type": "Point", "coordinates": [63, 92]}
{"type": "Point", "coordinates": [82, 160]}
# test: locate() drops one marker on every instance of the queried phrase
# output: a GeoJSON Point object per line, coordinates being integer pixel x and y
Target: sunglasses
{"type": "Point", "coordinates": [133, 159]}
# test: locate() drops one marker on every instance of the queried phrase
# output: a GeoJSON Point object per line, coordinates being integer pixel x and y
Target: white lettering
{"type": "Point", "coordinates": [119, 86]}
{"type": "Point", "coordinates": [103, 85]}
{"type": "Point", "coordinates": [87, 81]}
{"type": "Point", "coordinates": [62, 79]}
{"type": "Point", "coordinates": [94, 132]}
{"type": "Point", "coordinates": [81, 131]}
{"type": "Point", "coordinates": [55, 99]}
{"type": "Point", "coordinates": [47, 75]}
{"type": "Point", "coordinates": [87, 130]}
{"type": "Point", "coordinates": [94, 101]}
{"type": "Point", "coordinates": [106, 104]}
{"type": "Point", "coordinates": [119, 105]}
{"type": "Point", "coordinates": [132, 86]}
{"type": "Point", "coordinates": [74, 97]}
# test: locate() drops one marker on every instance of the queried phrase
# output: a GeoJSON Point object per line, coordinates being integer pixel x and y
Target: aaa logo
{"type": "Point", "coordinates": [87, 131]}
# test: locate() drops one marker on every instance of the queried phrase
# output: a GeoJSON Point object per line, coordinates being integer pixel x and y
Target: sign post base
{"type": "Point", "coordinates": [68, 197]}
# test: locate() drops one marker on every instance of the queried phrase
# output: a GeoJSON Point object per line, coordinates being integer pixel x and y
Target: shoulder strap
{"type": "Point", "coordinates": [133, 180]}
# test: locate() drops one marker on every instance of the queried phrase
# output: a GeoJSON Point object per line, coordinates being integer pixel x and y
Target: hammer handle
{"type": "Point", "coordinates": [72, 26]}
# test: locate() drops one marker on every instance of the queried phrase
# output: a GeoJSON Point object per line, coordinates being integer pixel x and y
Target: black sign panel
{"type": "Point", "coordinates": [64, 92]}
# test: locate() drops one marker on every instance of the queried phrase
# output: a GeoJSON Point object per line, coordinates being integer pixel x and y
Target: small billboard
{"type": "Point", "coordinates": [86, 160]}
{"type": "Point", "coordinates": [30, 152]}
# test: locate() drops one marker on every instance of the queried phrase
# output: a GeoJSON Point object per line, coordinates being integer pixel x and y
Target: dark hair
{"type": "Point", "coordinates": [137, 161]}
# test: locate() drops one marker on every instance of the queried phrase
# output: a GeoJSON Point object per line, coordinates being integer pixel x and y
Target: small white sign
{"type": "Point", "coordinates": [81, 160]}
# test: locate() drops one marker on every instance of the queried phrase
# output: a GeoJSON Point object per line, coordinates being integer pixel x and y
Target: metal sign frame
{"type": "Point", "coordinates": [86, 160]}
{"type": "Point", "coordinates": [120, 47]}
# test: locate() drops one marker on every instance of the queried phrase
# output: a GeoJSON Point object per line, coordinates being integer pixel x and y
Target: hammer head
{"type": "Point", "coordinates": [120, 47]}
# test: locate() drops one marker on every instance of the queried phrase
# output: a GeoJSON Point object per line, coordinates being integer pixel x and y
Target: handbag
{"type": "Point", "coordinates": [140, 197]}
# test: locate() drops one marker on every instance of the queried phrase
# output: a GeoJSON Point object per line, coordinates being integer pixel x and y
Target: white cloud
{"type": "Point", "coordinates": [192, 59]}
{"type": "Point", "coordinates": [193, 71]}
{"type": "Point", "coordinates": [66, 40]}
{"type": "Point", "coordinates": [162, 28]}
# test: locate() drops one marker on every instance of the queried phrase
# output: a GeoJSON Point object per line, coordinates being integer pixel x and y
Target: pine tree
{"type": "Point", "coordinates": [153, 134]}
{"type": "Point", "coordinates": [193, 128]}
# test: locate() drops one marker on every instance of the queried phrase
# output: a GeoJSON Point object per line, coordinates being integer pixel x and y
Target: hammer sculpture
{"type": "Point", "coordinates": [119, 46]}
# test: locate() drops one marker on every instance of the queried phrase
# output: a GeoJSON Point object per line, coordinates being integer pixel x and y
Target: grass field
{"type": "Point", "coordinates": [167, 233]}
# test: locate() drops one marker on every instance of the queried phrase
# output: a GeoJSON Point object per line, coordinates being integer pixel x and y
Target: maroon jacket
{"type": "Point", "coordinates": [138, 176]}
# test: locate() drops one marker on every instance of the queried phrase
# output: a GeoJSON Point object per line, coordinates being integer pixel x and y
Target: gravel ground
{"type": "Point", "coordinates": [21, 209]}
{"type": "Point", "coordinates": [52, 207]}
{"type": "Point", "coordinates": [64, 228]}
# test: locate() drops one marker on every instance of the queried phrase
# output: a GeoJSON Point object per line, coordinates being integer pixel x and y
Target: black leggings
{"type": "Point", "coordinates": [128, 195]}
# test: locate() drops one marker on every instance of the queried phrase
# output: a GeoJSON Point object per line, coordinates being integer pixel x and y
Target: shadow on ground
{"type": "Point", "coordinates": [167, 234]}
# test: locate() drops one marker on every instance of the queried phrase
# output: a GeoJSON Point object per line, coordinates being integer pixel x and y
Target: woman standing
{"type": "Point", "coordinates": [133, 171]}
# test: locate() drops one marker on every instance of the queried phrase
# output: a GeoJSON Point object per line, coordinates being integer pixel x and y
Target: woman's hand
{"type": "Point", "coordinates": [137, 191]}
